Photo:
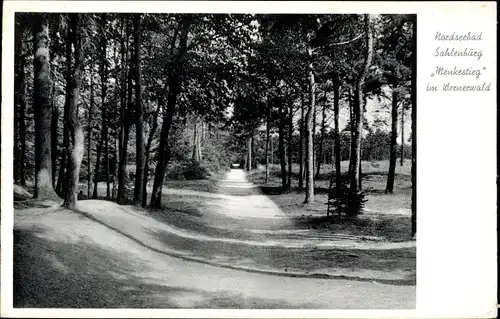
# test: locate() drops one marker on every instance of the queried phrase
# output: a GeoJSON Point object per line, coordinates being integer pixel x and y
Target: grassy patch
{"type": "Point", "coordinates": [308, 260]}
{"type": "Point", "coordinates": [385, 215]}
{"type": "Point", "coordinates": [392, 228]}
{"type": "Point", "coordinates": [208, 185]}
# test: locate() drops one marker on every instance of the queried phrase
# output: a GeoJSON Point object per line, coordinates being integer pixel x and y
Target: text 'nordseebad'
{"type": "Point", "coordinates": [459, 37]}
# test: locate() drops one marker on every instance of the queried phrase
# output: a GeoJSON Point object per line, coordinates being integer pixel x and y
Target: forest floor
{"type": "Point", "coordinates": [385, 215]}
{"type": "Point", "coordinates": [217, 228]}
{"type": "Point", "coordinates": [231, 221]}
{"type": "Point", "coordinates": [76, 259]}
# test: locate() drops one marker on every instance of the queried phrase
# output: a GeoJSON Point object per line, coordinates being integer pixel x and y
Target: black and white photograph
{"type": "Point", "coordinates": [193, 159]}
{"type": "Point", "coordinates": [214, 161]}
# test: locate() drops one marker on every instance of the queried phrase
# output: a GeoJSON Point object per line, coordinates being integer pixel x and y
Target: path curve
{"type": "Point", "coordinates": [240, 199]}
{"type": "Point", "coordinates": [125, 273]}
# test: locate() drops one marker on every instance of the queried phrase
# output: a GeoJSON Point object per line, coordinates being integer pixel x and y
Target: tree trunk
{"type": "Point", "coordinates": [281, 143]}
{"type": "Point", "coordinates": [272, 152]}
{"type": "Point", "coordinates": [352, 126]}
{"type": "Point", "coordinates": [393, 147]}
{"type": "Point", "coordinates": [42, 103]}
{"type": "Point", "coordinates": [104, 135]}
{"type": "Point", "coordinates": [290, 149]}
{"type": "Point", "coordinates": [18, 96]}
{"type": "Point", "coordinates": [194, 153]}
{"type": "Point", "coordinates": [104, 79]}
{"type": "Point", "coordinates": [253, 163]}
{"type": "Point", "coordinates": [53, 132]}
{"type": "Point", "coordinates": [19, 121]}
{"type": "Point", "coordinates": [65, 146]}
{"type": "Point", "coordinates": [147, 154]}
{"type": "Point", "coordinates": [22, 141]}
{"type": "Point", "coordinates": [360, 158]}
{"type": "Point", "coordinates": [114, 194]}
{"type": "Point", "coordinates": [163, 150]}
{"type": "Point", "coordinates": [106, 165]}
{"type": "Point", "coordinates": [97, 170]}
{"type": "Point", "coordinates": [301, 143]}
{"type": "Point", "coordinates": [75, 129]}
{"type": "Point", "coordinates": [360, 171]}
{"type": "Point", "coordinates": [127, 122]}
{"type": "Point", "coordinates": [89, 144]}
{"type": "Point", "coordinates": [319, 157]}
{"type": "Point", "coordinates": [174, 88]}
{"type": "Point", "coordinates": [139, 116]}
{"type": "Point", "coordinates": [309, 198]}
{"type": "Point", "coordinates": [120, 175]}
{"type": "Point", "coordinates": [152, 132]}
{"type": "Point", "coordinates": [333, 158]}
{"type": "Point", "coordinates": [201, 140]}
{"type": "Point", "coordinates": [122, 86]}
{"type": "Point", "coordinates": [338, 173]}
{"type": "Point", "coordinates": [358, 107]}
{"type": "Point", "coordinates": [197, 136]}
{"type": "Point", "coordinates": [268, 134]}
{"type": "Point", "coordinates": [402, 149]}
{"type": "Point", "coordinates": [61, 180]}
{"type": "Point", "coordinates": [22, 138]}
{"type": "Point", "coordinates": [155, 123]}
{"type": "Point", "coordinates": [315, 155]}
{"type": "Point", "coordinates": [55, 110]}
{"type": "Point", "coordinates": [249, 153]}
{"type": "Point", "coordinates": [414, 129]}
{"type": "Point", "coordinates": [122, 166]}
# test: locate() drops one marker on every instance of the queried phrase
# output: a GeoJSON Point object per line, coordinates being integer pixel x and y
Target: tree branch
{"type": "Point", "coordinates": [348, 41]}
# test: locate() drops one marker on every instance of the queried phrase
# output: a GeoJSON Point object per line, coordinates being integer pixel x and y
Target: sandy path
{"type": "Point", "coordinates": [112, 256]}
{"type": "Point", "coordinates": [247, 200]}
{"type": "Point", "coordinates": [242, 201]}
{"type": "Point", "coordinates": [72, 261]}
{"type": "Point", "coordinates": [142, 226]}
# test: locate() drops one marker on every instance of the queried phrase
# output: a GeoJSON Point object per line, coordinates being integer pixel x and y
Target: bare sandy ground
{"type": "Point", "coordinates": [251, 204]}
{"type": "Point", "coordinates": [240, 227]}
{"type": "Point", "coordinates": [66, 259]}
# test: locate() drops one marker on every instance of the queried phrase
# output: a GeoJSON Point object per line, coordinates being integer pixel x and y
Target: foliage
{"type": "Point", "coordinates": [238, 76]}
{"type": "Point", "coordinates": [345, 202]}
{"type": "Point", "coordinates": [187, 170]}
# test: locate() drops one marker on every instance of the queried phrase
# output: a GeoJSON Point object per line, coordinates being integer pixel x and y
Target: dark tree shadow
{"type": "Point", "coordinates": [51, 274]}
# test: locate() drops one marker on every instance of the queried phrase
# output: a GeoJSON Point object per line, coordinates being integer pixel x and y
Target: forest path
{"type": "Point", "coordinates": [67, 259]}
{"type": "Point", "coordinates": [245, 200]}
{"type": "Point", "coordinates": [238, 212]}
{"type": "Point", "coordinates": [108, 255]}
